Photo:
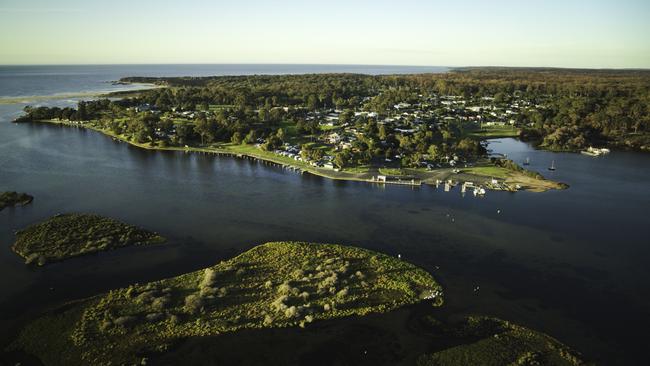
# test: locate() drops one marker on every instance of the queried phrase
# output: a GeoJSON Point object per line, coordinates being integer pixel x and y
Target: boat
{"type": "Point", "coordinates": [594, 151]}
{"type": "Point", "coordinates": [527, 162]}
{"type": "Point", "coordinates": [552, 167]}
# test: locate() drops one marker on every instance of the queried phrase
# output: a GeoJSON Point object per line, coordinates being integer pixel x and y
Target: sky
{"type": "Point", "coordinates": [552, 33]}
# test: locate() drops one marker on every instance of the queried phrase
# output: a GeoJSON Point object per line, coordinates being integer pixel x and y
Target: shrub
{"type": "Point", "coordinates": [193, 303]}
{"type": "Point", "coordinates": [291, 312]}
{"type": "Point", "coordinates": [295, 291]}
{"type": "Point", "coordinates": [207, 292]}
{"type": "Point", "coordinates": [268, 320]}
{"type": "Point", "coordinates": [299, 273]}
{"type": "Point", "coordinates": [329, 281]}
{"type": "Point", "coordinates": [279, 303]}
{"type": "Point", "coordinates": [342, 294]}
{"type": "Point", "coordinates": [124, 321]}
{"type": "Point", "coordinates": [304, 295]}
{"type": "Point", "coordinates": [145, 297]}
{"type": "Point", "coordinates": [209, 278]}
{"type": "Point", "coordinates": [284, 288]}
{"type": "Point", "coordinates": [160, 303]}
{"type": "Point", "coordinates": [154, 317]}
{"type": "Point", "coordinates": [105, 325]}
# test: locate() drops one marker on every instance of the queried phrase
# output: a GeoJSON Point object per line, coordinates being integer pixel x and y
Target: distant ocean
{"type": "Point", "coordinates": [21, 81]}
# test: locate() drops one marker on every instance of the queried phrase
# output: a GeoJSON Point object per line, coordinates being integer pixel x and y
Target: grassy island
{"type": "Point", "coordinates": [10, 199]}
{"type": "Point", "coordinates": [275, 285]}
{"type": "Point", "coordinates": [479, 340]}
{"type": "Point", "coordinates": [69, 235]}
{"type": "Point", "coordinates": [284, 303]}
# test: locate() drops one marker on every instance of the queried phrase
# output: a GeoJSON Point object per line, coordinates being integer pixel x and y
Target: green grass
{"type": "Point", "coordinates": [326, 128]}
{"type": "Point", "coordinates": [487, 171]}
{"type": "Point", "coordinates": [392, 171]}
{"type": "Point", "coordinates": [69, 235]}
{"type": "Point", "coordinates": [10, 199]}
{"type": "Point", "coordinates": [494, 132]}
{"type": "Point", "coordinates": [493, 342]}
{"type": "Point", "coordinates": [281, 284]}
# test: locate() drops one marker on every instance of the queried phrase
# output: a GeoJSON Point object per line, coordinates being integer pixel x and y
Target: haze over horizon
{"type": "Point", "coordinates": [575, 34]}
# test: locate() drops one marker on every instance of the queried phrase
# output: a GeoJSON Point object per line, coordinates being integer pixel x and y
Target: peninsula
{"type": "Point", "coordinates": [390, 129]}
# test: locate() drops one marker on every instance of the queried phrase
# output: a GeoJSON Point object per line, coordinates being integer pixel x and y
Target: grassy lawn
{"type": "Point", "coordinates": [392, 171]}
{"type": "Point", "coordinates": [494, 132]}
{"type": "Point", "coordinates": [281, 284]}
{"type": "Point", "coordinates": [358, 169]}
{"type": "Point", "coordinates": [487, 171]}
{"type": "Point", "coordinates": [329, 128]}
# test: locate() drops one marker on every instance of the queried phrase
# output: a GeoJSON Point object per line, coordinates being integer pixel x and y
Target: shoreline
{"type": "Point", "coordinates": [416, 178]}
{"type": "Point", "coordinates": [26, 99]}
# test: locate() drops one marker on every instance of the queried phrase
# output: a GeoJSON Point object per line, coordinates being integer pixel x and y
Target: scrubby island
{"type": "Point", "coordinates": [264, 297]}
{"type": "Point", "coordinates": [11, 199]}
{"type": "Point", "coordinates": [478, 340]}
{"type": "Point", "coordinates": [279, 284]}
{"type": "Point", "coordinates": [69, 235]}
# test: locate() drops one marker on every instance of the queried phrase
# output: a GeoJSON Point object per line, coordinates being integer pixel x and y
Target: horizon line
{"type": "Point", "coordinates": [329, 64]}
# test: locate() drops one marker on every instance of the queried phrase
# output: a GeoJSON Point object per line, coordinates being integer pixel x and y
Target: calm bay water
{"type": "Point", "coordinates": [572, 263]}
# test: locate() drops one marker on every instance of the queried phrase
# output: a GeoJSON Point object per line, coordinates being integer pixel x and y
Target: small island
{"type": "Point", "coordinates": [11, 199]}
{"type": "Point", "coordinates": [479, 340]}
{"type": "Point", "coordinates": [275, 285]}
{"type": "Point", "coordinates": [69, 235]}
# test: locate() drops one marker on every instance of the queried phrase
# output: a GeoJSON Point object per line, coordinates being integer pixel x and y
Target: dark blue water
{"type": "Point", "coordinates": [572, 263]}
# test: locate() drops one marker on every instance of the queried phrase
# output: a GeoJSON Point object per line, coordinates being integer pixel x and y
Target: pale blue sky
{"type": "Point", "coordinates": [570, 33]}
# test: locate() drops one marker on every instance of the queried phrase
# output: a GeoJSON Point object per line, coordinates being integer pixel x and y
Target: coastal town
{"type": "Point", "coordinates": [392, 137]}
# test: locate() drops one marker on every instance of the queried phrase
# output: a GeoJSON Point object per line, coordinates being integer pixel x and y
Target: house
{"type": "Point", "coordinates": [145, 107]}
{"type": "Point", "coordinates": [333, 138]}
{"type": "Point", "coordinates": [332, 117]}
{"type": "Point", "coordinates": [402, 105]}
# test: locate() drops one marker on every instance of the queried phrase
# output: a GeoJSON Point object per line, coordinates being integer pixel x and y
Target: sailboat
{"type": "Point", "coordinates": [527, 162]}
{"type": "Point", "coordinates": [552, 167]}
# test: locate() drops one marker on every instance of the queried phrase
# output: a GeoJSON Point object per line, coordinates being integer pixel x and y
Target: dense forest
{"type": "Point", "coordinates": [580, 107]}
